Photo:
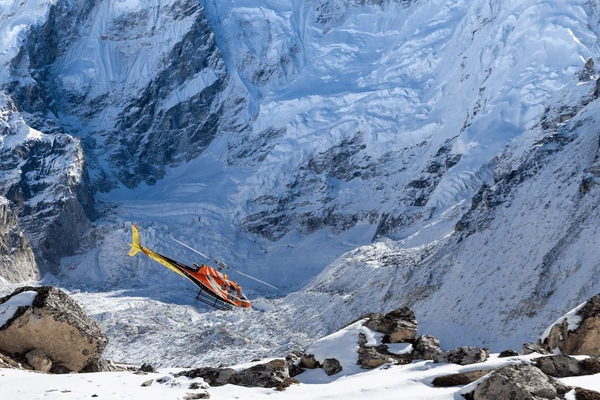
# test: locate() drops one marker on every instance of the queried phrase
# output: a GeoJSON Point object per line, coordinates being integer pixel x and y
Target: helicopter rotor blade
{"type": "Point", "coordinates": [258, 280]}
{"type": "Point", "coordinates": [196, 251]}
{"type": "Point", "coordinates": [222, 264]}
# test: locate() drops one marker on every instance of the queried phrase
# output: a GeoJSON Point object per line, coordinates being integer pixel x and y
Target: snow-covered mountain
{"type": "Point", "coordinates": [359, 155]}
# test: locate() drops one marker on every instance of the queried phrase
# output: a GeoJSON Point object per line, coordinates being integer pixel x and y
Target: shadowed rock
{"type": "Point", "coordinates": [464, 355]}
{"type": "Point", "coordinates": [332, 366]}
{"type": "Point", "coordinates": [463, 378]}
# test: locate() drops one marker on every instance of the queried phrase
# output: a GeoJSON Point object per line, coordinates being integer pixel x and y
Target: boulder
{"type": "Point", "coordinates": [196, 396]}
{"type": "Point", "coordinates": [46, 318]}
{"type": "Point", "coordinates": [464, 355]}
{"type": "Point", "coordinates": [213, 376]}
{"type": "Point", "coordinates": [398, 326]}
{"type": "Point", "coordinates": [586, 394]}
{"type": "Point", "coordinates": [38, 360]}
{"type": "Point", "coordinates": [309, 361]}
{"type": "Point", "coordinates": [373, 356]}
{"type": "Point", "coordinates": [147, 368]}
{"type": "Point", "coordinates": [426, 347]}
{"type": "Point", "coordinates": [273, 374]}
{"type": "Point", "coordinates": [589, 366]}
{"type": "Point", "coordinates": [519, 382]}
{"type": "Point", "coordinates": [577, 332]}
{"type": "Point", "coordinates": [508, 353]}
{"type": "Point", "coordinates": [530, 348]}
{"type": "Point", "coordinates": [369, 357]}
{"type": "Point", "coordinates": [332, 366]}
{"type": "Point", "coordinates": [462, 378]}
{"type": "Point", "coordinates": [269, 375]}
{"type": "Point", "coordinates": [100, 364]}
{"type": "Point", "coordinates": [559, 366]}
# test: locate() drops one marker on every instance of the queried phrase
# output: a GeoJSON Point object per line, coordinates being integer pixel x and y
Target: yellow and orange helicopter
{"type": "Point", "coordinates": [216, 290]}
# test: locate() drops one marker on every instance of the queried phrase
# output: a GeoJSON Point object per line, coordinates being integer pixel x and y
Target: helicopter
{"type": "Point", "coordinates": [216, 289]}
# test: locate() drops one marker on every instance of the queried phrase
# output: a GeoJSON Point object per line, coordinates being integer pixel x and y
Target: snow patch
{"type": "Point", "coordinates": [9, 308]}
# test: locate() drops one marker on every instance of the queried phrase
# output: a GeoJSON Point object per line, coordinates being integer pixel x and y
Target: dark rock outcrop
{"type": "Point", "coordinates": [309, 361]}
{"type": "Point", "coordinates": [213, 376]}
{"type": "Point", "coordinates": [53, 324]}
{"type": "Point", "coordinates": [293, 361]}
{"type": "Point", "coordinates": [332, 366]}
{"type": "Point", "coordinates": [508, 353]}
{"type": "Point", "coordinates": [273, 374]}
{"type": "Point", "coordinates": [45, 177]}
{"type": "Point", "coordinates": [464, 355]}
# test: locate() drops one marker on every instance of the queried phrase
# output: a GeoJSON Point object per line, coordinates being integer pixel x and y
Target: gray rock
{"type": "Point", "coordinates": [271, 374]}
{"type": "Point", "coordinates": [559, 366]}
{"type": "Point", "coordinates": [519, 382]}
{"type": "Point", "coordinates": [38, 360]}
{"type": "Point", "coordinates": [332, 366]}
{"type": "Point", "coordinates": [426, 347]}
{"type": "Point", "coordinates": [464, 355]}
{"type": "Point", "coordinates": [213, 376]}
{"type": "Point", "coordinates": [398, 326]}
{"type": "Point", "coordinates": [56, 325]}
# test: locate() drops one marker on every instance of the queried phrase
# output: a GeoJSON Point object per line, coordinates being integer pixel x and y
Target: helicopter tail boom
{"type": "Point", "coordinates": [135, 242]}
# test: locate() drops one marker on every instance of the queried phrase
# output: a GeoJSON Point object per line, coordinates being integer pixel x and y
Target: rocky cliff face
{"type": "Point", "coordinates": [16, 256]}
{"type": "Point", "coordinates": [44, 176]}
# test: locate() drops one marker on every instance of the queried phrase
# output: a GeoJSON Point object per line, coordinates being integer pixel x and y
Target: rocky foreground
{"type": "Point", "coordinates": [43, 329]}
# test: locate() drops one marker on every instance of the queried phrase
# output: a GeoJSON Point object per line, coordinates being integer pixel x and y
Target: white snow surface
{"type": "Point", "coordinates": [413, 381]}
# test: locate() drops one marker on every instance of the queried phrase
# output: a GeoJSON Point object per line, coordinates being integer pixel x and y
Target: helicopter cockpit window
{"type": "Point", "coordinates": [232, 292]}
{"type": "Point", "coordinates": [224, 286]}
